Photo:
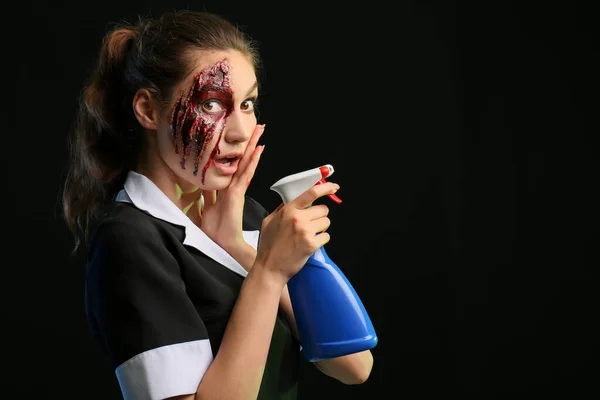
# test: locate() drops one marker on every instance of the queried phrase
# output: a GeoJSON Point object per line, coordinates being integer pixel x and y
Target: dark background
{"type": "Point", "coordinates": [461, 135]}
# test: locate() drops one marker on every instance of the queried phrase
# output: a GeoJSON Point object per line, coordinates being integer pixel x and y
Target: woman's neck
{"type": "Point", "coordinates": [190, 202]}
{"type": "Point", "coordinates": [187, 197]}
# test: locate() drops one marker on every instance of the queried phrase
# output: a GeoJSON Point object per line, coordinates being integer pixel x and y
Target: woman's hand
{"type": "Point", "coordinates": [222, 216]}
{"type": "Point", "coordinates": [293, 232]}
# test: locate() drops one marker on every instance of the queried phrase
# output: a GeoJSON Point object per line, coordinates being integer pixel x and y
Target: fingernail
{"type": "Point", "coordinates": [336, 186]}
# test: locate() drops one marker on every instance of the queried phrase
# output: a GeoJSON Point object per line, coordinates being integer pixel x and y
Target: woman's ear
{"type": "Point", "coordinates": [146, 109]}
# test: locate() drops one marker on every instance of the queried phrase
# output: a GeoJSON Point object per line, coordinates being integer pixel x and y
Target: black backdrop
{"type": "Point", "coordinates": [461, 138]}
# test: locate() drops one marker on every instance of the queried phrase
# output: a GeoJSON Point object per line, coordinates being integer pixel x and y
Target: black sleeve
{"type": "Point", "coordinates": [138, 306]}
{"type": "Point", "coordinates": [254, 213]}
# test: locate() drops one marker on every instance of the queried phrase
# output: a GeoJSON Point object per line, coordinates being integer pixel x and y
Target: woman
{"type": "Point", "coordinates": [180, 293]}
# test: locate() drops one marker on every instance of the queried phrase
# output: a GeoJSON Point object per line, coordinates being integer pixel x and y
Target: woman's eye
{"type": "Point", "coordinates": [247, 105]}
{"type": "Point", "coordinates": [211, 106]}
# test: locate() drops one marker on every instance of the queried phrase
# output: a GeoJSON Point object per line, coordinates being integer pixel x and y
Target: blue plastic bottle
{"type": "Point", "coordinates": [331, 318]}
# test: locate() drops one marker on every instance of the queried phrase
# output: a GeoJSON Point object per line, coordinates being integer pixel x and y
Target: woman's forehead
{"type": "Point", "coordinates": [234, 68]}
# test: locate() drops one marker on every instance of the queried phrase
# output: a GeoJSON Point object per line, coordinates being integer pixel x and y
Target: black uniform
{"type": "Point", "coordinates": [159, 294]}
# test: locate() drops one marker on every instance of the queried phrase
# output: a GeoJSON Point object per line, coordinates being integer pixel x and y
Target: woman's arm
{"type": "Point", "coordinates": [240, 361]}
{"type": "Point", "coordinates": [351, 369]}
{"type": "Point", "coordinates": [237, 370]}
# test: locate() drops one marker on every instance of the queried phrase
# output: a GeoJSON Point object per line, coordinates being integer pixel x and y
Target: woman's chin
{"type": "Point", "coordinates": [212, 181]}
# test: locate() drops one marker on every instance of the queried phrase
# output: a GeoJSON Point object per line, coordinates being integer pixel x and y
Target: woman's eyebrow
{"type": "Point", "coordinates": [252, 89]}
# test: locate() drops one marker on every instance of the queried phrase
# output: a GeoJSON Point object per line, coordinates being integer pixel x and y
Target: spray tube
{"type": "Point", "coordinates": [331, 318]}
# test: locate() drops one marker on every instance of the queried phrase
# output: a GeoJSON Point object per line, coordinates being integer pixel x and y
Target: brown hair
{"type": "Point", "coordinates": [106, 139]}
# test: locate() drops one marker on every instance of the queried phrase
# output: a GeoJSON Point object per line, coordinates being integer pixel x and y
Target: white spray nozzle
{"type": "Point", "coordinates": [294, 185]}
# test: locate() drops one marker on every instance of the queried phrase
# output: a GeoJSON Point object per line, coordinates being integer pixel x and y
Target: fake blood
{"type": "Point", "coordinates": [192, 127]}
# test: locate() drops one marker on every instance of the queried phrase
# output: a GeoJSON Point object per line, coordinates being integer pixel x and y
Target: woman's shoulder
{"type": "Point", "coordinates": [124, 224]}
{"type": "Point", "coordinates": [127, 241]}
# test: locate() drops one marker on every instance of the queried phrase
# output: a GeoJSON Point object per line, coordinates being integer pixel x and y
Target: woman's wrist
{"type": "Point", "coordinates": [243, 253]}
{"type": "Point", "coordinates": [267, 276]}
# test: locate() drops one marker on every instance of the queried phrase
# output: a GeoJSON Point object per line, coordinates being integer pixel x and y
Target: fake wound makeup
{"type": "Point", "coordinates": [200, 113]}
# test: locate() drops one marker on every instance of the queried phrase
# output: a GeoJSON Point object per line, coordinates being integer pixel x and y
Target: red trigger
{"type": "Point", "coordinates": [331, 196]}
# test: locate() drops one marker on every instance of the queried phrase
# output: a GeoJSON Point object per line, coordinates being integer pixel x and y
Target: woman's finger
{"type": "Point", "coordinates": [209, 197]}
{"type": "Point", "coordinates": [315, 212]}
{"type": "Point", "coordinates": [246, 158]}
{"type": "Point", "coordinates": [312, 194]}
{"type": "Point", "coordinates": [248, 174]}
{"type": "Point", "coordinates": [320, 225]}
{"type": "Point", "coordinates": [322, 239]}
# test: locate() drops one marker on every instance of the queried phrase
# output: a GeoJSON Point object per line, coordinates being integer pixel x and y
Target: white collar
{"type": "Point", "coordinates": [146, 196]}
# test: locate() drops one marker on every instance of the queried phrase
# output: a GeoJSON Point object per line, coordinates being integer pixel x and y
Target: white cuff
{"type": "Point", "coordinates": [165, 371]}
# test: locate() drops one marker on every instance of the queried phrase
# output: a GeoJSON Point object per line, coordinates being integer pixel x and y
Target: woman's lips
{"type": "Point", "coordinates": [226, 166]}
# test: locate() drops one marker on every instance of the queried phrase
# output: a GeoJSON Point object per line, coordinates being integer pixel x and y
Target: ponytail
{"type": "Point", "coordinates": [103, 137]}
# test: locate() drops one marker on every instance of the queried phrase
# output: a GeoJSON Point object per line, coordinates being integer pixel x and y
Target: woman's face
{"type": "Point", "coordinates": [209, 120]}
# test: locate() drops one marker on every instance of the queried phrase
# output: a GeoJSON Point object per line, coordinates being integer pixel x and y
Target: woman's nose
{"type": "Point", "coordinates": [236, 128]}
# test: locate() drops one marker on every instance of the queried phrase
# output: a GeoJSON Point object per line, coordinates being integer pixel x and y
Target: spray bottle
{"type": "Point", "coordinates": [331, 318]}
